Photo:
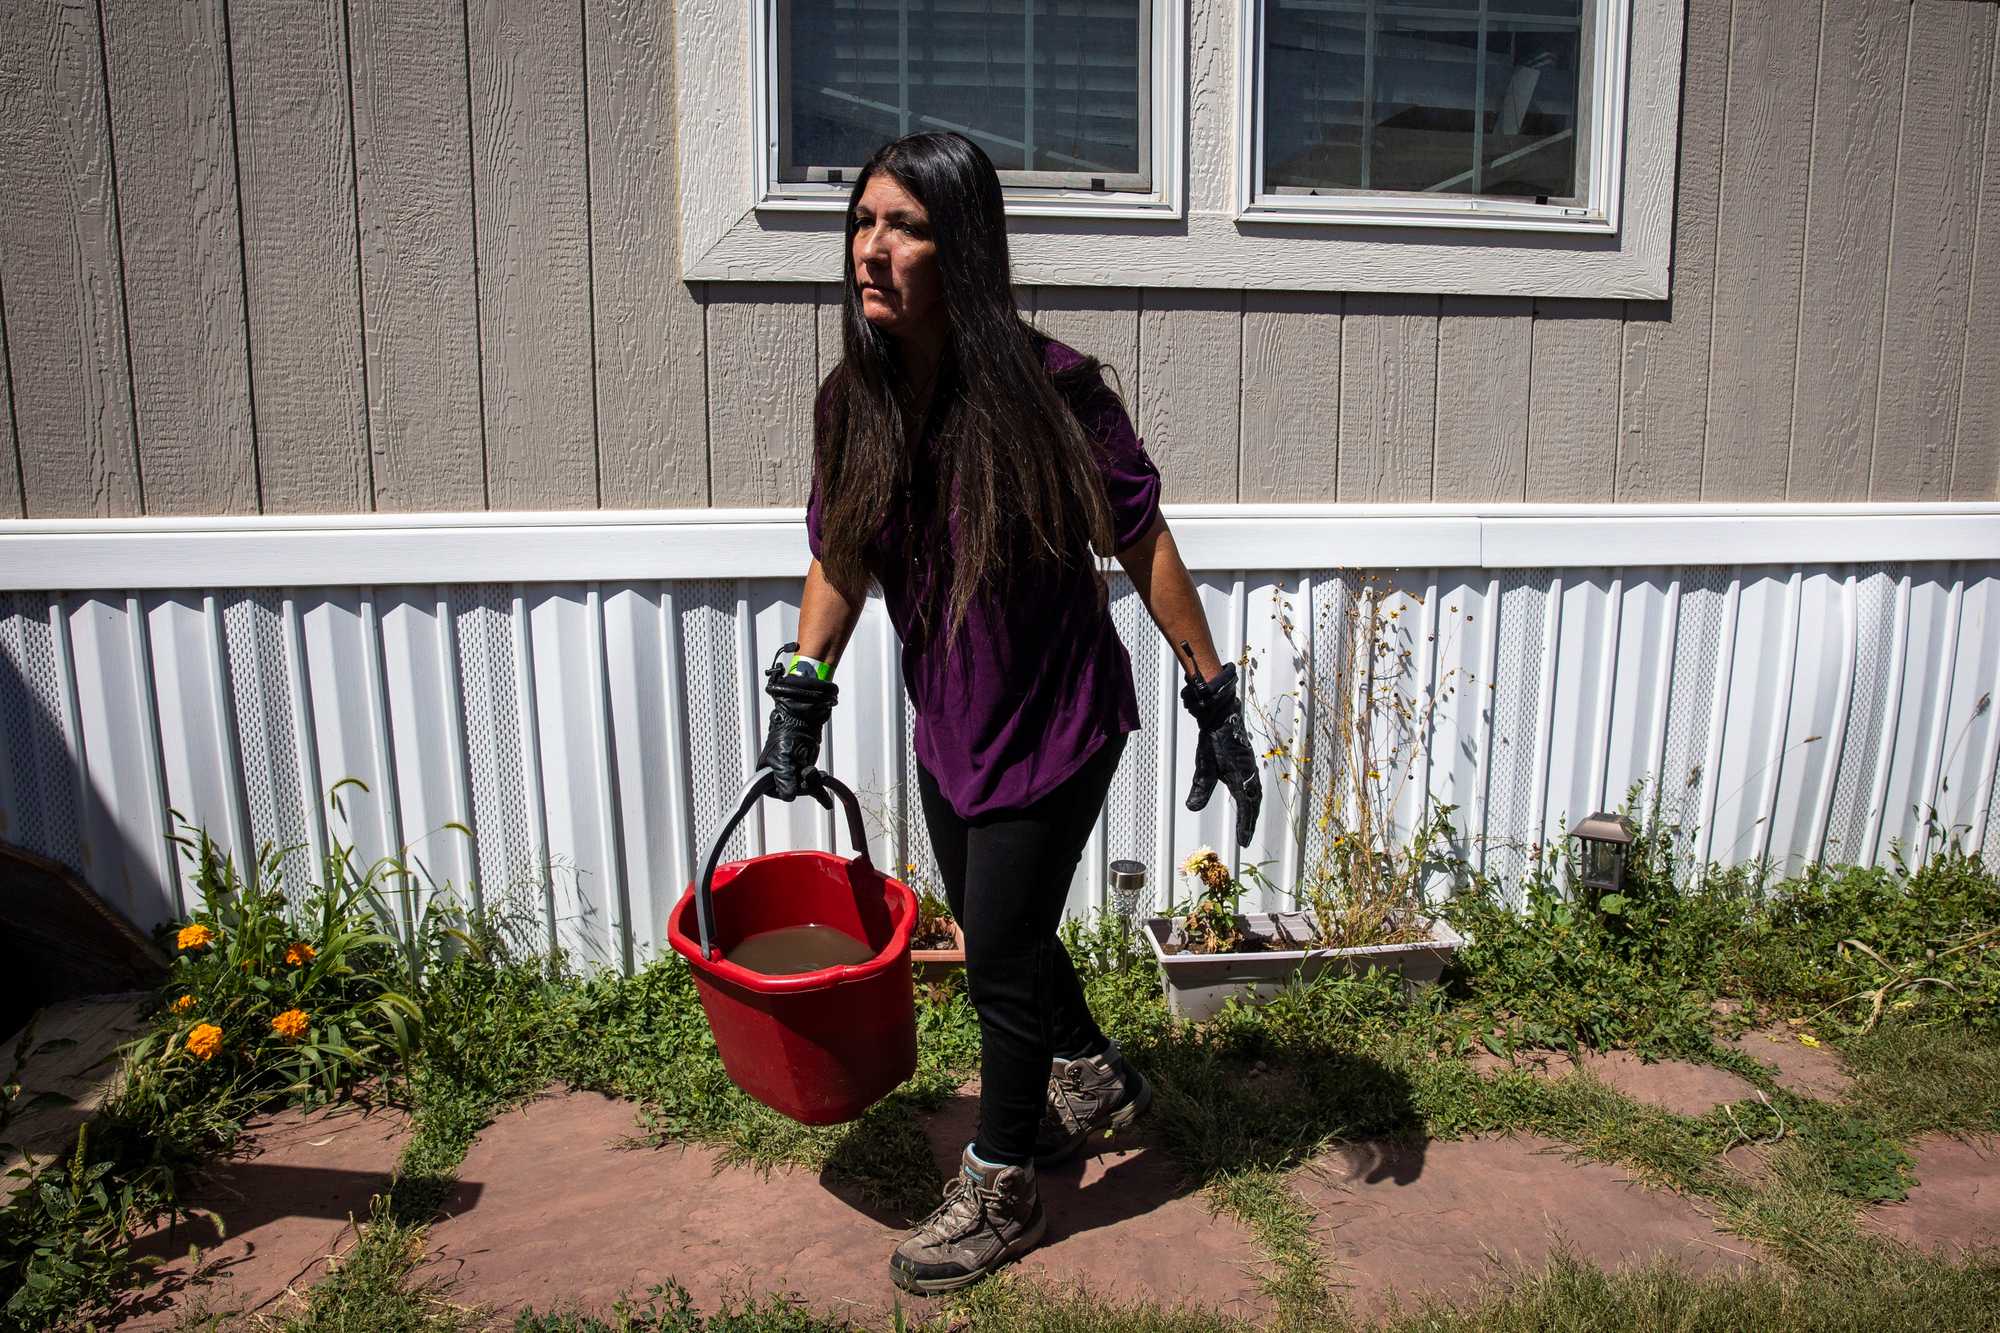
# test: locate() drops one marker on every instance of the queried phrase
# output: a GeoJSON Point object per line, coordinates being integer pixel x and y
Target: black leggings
{"type": "Point", "coordinates": [1007, 875]}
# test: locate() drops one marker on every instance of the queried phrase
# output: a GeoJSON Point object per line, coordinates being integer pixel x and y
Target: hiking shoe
{"type": "Point", "coordinates": [1087, 1096]}
{"type": "Point", "coordinates": [989, 1215]}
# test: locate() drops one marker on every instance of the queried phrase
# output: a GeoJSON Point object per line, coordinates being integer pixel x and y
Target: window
{"type": "Point", "coordinates": [1068, 97]}
{"type": "Point", "coordinates": [1436, 112]}
{"type": "Point", "coordinates": [1511, 147]}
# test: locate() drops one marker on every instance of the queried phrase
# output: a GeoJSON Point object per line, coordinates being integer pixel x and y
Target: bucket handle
{"type": "Point", "coordinates": [760, 786]}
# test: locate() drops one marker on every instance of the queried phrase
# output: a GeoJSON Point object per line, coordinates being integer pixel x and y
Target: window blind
{"type": "Point", "coordinates": [1049, 88]}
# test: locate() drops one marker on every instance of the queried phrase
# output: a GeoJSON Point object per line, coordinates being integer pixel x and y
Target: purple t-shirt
{"type": "Point", "coordinates": [1035, 685]}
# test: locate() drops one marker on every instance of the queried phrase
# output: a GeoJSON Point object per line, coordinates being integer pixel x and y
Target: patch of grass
{"type": "Point", "coordinates": [1283, 1225]}
{"type": "Point", "coordinates": [1927, 1078]}
{"type": "Point", "coordinates": [372, 1289]}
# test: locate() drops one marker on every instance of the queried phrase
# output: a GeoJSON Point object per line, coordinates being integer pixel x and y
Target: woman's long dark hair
{"type": "Point", "coordinates": [1031, 499]}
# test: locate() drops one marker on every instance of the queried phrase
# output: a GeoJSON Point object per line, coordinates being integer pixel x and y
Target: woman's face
{"type": "Point", "coordinates": [895, 259]}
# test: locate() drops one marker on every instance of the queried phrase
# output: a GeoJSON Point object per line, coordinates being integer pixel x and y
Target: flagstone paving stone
{"type": "Point", "coordinates": [1680, 1086]}
{"type": "Point", "coordinates": [1955, 1204]}
{"type": "Point", "coordinates": [287, 1196]}
{"type": "Point", "coordinates": [1441, 1217]}
{"type": "Point", "coordinates": [1807, 1070]}
{"type": "Point", "coordinates": [558, 1212]}
{"type": "Point", "coordinates": [70, 1070]}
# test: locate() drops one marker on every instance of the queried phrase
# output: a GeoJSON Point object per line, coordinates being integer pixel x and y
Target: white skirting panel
{"type": "Point", "coordinates": [593, 735]}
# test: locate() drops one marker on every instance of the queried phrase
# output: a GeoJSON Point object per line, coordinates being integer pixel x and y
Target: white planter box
{"type": "Point", "coordinates": [1198, 984]}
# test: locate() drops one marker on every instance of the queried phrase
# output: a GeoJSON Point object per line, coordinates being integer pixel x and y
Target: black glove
{"type": "Point", "coordinates": [791, 744]}
{"type": "Point", "coordinates": [1223, 750]}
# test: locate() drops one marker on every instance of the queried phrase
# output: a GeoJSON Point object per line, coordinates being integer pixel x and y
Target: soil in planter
{"type": "Point", "coordinates": [1248, 941]}
{"type": "Point", "coordinates": [798, 949]}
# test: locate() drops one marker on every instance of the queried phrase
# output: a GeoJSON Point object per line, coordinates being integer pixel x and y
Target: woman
{"type": "Point", "coordinates": [1022, 690]}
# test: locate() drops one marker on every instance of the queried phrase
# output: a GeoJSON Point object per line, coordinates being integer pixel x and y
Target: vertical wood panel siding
{"type": "Point", "coordinates": [1291, 395]}
{"type": "Point", "coordinates": [1573, 400]}
{"type": "Point", "coordinates": [422, 256]}
{"type": "Point", "coordinates": [1976, 457]}
{"type": "Point", "coordinates": [1663, 405]}
{"type": "Point", "coordinates": [289, 69]}
{"type": "Point", "coordinates": [178, 207]}
{"type": "Point", "coordinates": [1760, 246]}
{"type": "Point", "coordinates": [1930, 249]}
{"type": "Point", "coordinates": [652, 402]}
{"type": "Point", "coordinates": [1854, 155]}
{"type": "Point", "coordinates": [413, 191]}
{"type": "Point", "coordinates": [61, 282]}
{"type": "Point", "coordinates": [1388, 397]}
{"type": "Point", "coordinates": [599, 733]}
{"type": "Point", "coordinates": [1485, 347]}
{"type": "Point", "coordinates": [530, 178]}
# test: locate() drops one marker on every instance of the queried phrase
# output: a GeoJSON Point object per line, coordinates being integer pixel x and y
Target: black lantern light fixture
{"type": "Point", "coordinates": [1604, 841]}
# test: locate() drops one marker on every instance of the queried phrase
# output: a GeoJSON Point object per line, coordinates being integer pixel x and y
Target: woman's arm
{"type": "Point", "coordinates": [1164, 585]}
{"type": "Point", "coordinates": [827, 618]}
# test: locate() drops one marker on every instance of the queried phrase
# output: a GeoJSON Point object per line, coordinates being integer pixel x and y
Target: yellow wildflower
{"type": "Point", "coordinates": [185, 1003]}
{"type": "Point", "coordinates": [1807, 1039]}
{"type": "Point", "coordinates": [205, 1040]}
{"type": "Point", "coordinates": [291, 1025]}
{"type": "Point", "coordinates": [194, 937]}
{"type": "Point", "coordinates": [1374, 775]}
{"type": "Point", "coordinates": [1195, 859]}
{"type": "Point", "coordinates": [299, 954]}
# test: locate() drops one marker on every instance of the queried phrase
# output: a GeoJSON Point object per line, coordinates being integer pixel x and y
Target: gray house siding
{"type": "Point", "coordinates": [407, 255]}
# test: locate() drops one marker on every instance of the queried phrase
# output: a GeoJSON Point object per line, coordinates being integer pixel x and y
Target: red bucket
{"type": "Point", "coordinates": [823, 1046]}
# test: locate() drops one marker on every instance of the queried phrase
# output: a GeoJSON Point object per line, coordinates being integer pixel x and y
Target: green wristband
{"type": "Point", "coordinates": [823, 670]}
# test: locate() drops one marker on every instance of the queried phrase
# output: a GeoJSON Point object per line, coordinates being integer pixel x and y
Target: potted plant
{"type": "Point", "coordinates": [1361, 904]}
{"type": "Point", "coordinates": [937, 945]}
{"type": "Point", "coordinates": [1212, 952]}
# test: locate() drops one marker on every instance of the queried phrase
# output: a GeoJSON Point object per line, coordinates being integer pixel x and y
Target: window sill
{"type": "Point", "coordinates": [1334, 212]}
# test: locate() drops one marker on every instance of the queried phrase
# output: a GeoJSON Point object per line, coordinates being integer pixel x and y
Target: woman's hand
{"type": "Point", "coordinates": [1223, 751]}
{"type": "Point", "coordinates": [791, 745]}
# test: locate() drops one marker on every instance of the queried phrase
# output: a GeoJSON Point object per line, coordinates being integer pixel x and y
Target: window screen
{"type": "Point", "coordinates": [1058, 92]}
{"type": "Point", "coordinates": [1472, 97]}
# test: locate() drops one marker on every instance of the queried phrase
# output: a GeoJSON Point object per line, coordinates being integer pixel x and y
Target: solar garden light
{"type": "Point", "coordinates": [1128, 878]}
{"type": "Point", "coordinates": [1604, 843]}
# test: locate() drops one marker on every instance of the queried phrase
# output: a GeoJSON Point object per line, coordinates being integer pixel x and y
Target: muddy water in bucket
{"type": "Point", "coordinates": [798, 949]}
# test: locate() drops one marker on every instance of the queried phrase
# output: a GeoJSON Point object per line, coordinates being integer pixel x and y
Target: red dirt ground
{"type": "Point", "coordinates": [285, 1197]}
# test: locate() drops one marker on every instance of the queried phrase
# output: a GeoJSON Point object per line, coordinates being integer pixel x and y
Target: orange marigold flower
{"type": "Point", "coordinates": [194, 937]}
{"type": "Point", "coordinates": [298, 955]}
{"type": "Point", "coordinates": [205, 1040]}
{"type": "Point", "coordinates": [185, 1003]}
{"type": "Point", "coordinates": [291, 1025]}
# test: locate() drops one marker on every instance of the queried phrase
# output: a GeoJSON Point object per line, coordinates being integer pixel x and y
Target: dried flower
{"type": "Point", "coordinates": [205, 1041]}
{"type": "Point", "coordinates": [300, 953]}
{"type": "Point", "coordinates": [194, 937]}
{"type": "Point", "coordinates": [291, 1025]}
{"type": "Point", "coordinates": [1192, 864]}
{"type": "Point", "coordinates": [185, 1003]}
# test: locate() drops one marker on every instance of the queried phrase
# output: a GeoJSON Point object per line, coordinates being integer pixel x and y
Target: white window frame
{"type": "Point", "coordinates": [1166, 79]}
{"type": "Point", "coordinates": [1205, 238]}
{"type": "Point", "coordinates": [1605, 163]}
